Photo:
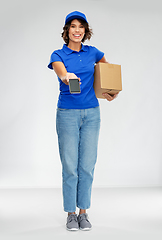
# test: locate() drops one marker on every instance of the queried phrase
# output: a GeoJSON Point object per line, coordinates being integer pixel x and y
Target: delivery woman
{"type": "Point", "coordinates": [78, 117]}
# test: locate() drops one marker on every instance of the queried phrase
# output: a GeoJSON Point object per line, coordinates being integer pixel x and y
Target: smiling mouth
{"type": "Point", "coordinates": [76, 35]}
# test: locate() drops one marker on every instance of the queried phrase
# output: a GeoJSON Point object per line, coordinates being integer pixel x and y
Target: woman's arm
{"type": "Point", "coordinates": [62, 73]}
{"type": "Point", "coordinates": [106, 95]}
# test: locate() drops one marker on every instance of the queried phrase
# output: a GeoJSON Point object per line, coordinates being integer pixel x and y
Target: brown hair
{"type": "Point", "coordinates": [88, 31]}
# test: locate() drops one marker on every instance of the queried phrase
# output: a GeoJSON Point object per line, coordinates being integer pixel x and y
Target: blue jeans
{"type": "Point", "coordinates": [78, 131]}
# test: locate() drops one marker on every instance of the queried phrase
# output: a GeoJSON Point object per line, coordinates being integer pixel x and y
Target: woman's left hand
{"type": "Point", "coordinates": [110, 97]}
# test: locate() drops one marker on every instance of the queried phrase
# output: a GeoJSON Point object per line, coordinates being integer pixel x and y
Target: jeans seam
{"type": "Point", "coordinates": [79, 175]}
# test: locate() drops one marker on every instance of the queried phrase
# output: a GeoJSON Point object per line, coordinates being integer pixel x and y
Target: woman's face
{"type": "Point", "coordinates": [76, 31]}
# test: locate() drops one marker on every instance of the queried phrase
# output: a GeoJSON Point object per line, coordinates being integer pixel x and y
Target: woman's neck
{"type": "Point", "coordinates": [75, 46]}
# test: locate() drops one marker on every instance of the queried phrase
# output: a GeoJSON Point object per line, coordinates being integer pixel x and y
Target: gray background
{"type": "Point", "coordinates": [130, 144]}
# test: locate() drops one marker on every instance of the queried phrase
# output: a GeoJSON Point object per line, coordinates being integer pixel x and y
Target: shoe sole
{"type": "Point", "coordinates": [85, 229]}
{"type": "Point", "coordinates": [72, 229]}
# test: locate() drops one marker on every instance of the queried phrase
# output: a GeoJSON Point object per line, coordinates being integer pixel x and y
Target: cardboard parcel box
{"type": "Point", "coordinates": [107, 78]}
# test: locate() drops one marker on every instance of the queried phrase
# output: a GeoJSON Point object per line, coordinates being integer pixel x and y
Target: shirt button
{"type": "Point", "coordinates": [79, 55]}
{"type": "Point", "coordinates": [80, 60]}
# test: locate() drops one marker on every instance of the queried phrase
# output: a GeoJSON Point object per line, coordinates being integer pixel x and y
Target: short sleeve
{"type": "Point", "coordinates": [54, 58]}
{"type": "Point", "coordinates": [99, 54]}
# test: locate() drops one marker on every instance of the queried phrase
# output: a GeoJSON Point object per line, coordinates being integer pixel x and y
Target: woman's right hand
{"type": "Point", "coordinates": [67, 77]}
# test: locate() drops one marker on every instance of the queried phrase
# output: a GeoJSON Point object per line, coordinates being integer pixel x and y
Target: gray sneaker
{"type": "Point", "coordinates": [83, 222]}
{"type": "Point", "coordinates": [72, 223]}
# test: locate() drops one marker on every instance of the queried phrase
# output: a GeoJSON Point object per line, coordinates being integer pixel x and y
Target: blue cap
{"type": "Point", "coordinates": [74, 15]}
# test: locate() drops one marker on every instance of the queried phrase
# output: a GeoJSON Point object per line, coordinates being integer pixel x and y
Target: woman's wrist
{"type": "Point", "coordinates": [63, 78]}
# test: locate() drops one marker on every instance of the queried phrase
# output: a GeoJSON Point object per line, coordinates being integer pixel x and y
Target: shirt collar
{"type": "Point", "coordinates": [69, 51]}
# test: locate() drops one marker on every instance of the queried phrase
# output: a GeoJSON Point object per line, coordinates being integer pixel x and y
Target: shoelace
{"type": "Point", "coordinates": [83, 217]}
{"type": "Point", "coordinates": [72, 217]}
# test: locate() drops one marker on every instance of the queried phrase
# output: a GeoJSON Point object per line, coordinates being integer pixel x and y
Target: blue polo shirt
{"type": "Point", "coordinates": [82, 65]}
